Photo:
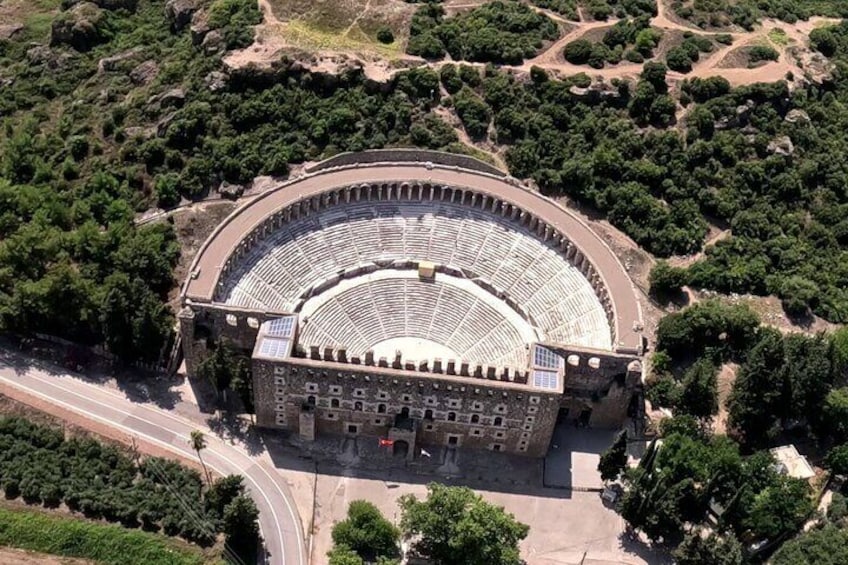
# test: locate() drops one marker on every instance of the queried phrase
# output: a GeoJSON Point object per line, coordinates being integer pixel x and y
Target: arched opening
{"type": "Point", "coordinates": [475, 418]}
{"type": "Point", "coordinates": [404, 412]}
{"type": "Point", "coordinates": [498, 421]}
{"type": "Point", "coordinates": [334, 403]}
{"type": "Point", "coordinates": [310, 400]}
{"type": "Point", "coordinates": [357, 406]}
{"type": "Point", "coordinates": [400, 448]}
{"type": "Point", "coordinates": [451, 416]}
{"type": "Point", "coordinates": [428, 414]}
{"type": "Point", "coordinates": [381, 409]}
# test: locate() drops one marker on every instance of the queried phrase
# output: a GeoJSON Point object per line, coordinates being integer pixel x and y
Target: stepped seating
{"type": "Point", "coordinates": [278, 270]}
{"type": "Point", "coordinates": [366, 314]}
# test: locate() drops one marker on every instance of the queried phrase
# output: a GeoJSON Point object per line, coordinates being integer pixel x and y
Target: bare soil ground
{"type": "Point", "coordinates": [193, 225]}
{"type": "Point", "coordinates": [9, 556]}
{"type": "Point", "coordinates": [726, 378]}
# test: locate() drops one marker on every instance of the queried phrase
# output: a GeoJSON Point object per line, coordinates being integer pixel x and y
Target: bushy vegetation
{"type": "Point", "coordinates": [455, 526]}
{"type": "Point", "coordinates": [682, 57]}
{"type": "Point", "coordinates": [824, 546]}
{"type": "Point", "coordinates": [498, 32]}
{"type": "Point", "coordinates": [82, 150]}
{"type": "Point", "coordinates": [41, 466]}
{"type": "Point", "coordinates": [102, 543]}
{"type": "Point", "coordinates": [633, 40]}
{"type": "Point", "coordinates": [678, 481]}
{"type": "Point", "coordinates": [747, 13]}
{"type": "Point", "coordinates": [365, 536]}
{"type": "Point", "coordinates": [566, 8]}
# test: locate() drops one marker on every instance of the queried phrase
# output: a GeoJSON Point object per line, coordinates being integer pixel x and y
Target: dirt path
{"type": "Point", "coordinates": [272, 40]}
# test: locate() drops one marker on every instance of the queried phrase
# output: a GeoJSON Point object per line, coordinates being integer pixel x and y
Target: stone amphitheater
{"type": "Point", "coordinates": [385, 268]}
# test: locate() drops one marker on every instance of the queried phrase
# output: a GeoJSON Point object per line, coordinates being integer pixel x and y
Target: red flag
{"type": "Point", "coordinates": [386, 442]}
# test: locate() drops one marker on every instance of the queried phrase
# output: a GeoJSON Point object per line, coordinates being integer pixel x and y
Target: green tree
{"type": "Point", "coordinates": [712, 549]}
{"type": "Point", "coordinates": [837, 460]}
{"type": "Point", "coordinates": [241, 526]}
{"type": "Point", "coordinates": [699, 392]}
{"type": "Point", "coordinates": [614, 460]}
{"type": "Point", "coordinates": [781, 508]}
{"type": "Point", "coordinates": [341, 555]}
{"type": "Point", "coordinates": [665, 279]}
{"type": "Point", "coordinates": [835, 413]}
{"type": "Point", "coordinates": [366, 532]}
{"type": "Point", "coordinates": [198, 444]}
{"type": "Point", "coordinates": [455, 526]}
{"type": "Point", "coordinates": [825, 546]}
{"type": "Point", "coordinates": [757, 401]}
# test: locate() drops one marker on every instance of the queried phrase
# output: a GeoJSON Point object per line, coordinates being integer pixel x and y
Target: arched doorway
{"type": "Point", "coordinates": [404, 412]}
{"type": "Point", "coordinates": [400, 448]}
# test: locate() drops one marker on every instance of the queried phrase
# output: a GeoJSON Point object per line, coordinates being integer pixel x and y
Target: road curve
{"type": "Point", "coordinates": [278, 518]}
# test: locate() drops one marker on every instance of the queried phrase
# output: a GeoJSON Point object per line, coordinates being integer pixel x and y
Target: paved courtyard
{"type": "Point", "coordinates": [567, 527]}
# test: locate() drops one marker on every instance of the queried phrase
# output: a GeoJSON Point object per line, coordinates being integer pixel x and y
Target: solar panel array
{"type": "Point", "coordinates": [545, 379]}
{"type": "Point", "coordinates": [544, 357]}
{"type": "Point", "coordinates": [274, 347]}
{"type": "Point", "coordinates": [280, 327]}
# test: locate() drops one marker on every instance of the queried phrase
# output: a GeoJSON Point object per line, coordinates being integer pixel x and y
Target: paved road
{"type": "Point", "coordinates": [278, 518]}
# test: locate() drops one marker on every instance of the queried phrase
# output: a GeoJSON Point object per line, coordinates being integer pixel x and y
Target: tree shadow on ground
{"type": "Point", "coordinates": [235, 427]}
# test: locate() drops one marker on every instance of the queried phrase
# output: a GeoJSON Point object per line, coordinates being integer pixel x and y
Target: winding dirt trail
{"type": "Point", "coordinates": [271, 41]}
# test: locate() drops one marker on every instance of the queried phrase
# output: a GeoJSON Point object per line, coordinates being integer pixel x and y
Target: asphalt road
{"type": "Point", "coordinates": [278, 519]}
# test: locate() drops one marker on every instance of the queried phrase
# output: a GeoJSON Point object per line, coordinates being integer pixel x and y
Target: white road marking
{"type": "Point", "coordinates": [171, 447]}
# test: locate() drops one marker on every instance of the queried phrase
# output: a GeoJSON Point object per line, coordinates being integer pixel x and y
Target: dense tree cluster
{"type": "Point", "coordinates": [503, 31]}
{"type": "Point", "coordinates": [682, 57]}
{"type": "Point", "coordinates": [72, 263]}
{"type": "Point", "coordinates": [630, 39]}
{"type": "Point", "coordinates": [41, 466]}
{"type": "Point", "coordinates": [747, 13]}
{"type": "Point", "coordinates": [688, 476]}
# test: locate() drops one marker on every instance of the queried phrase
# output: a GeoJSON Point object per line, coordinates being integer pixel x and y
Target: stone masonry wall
{"type": "Point", "coordinates": [479, 415]}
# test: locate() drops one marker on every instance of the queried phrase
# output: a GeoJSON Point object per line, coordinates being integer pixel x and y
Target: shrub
{"type": "Point", "coordinates": [759, 53]}
{"type": "Point", "coordinates": [385, 35]}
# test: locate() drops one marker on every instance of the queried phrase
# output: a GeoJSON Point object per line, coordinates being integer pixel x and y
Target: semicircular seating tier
{"type": "Point", "coordinates": [445, 318]}
{"type": "Point", "coordinates": [279, 269]}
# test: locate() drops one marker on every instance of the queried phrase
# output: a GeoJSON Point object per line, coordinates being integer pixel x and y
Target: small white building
{"type": "Point", "coordinates": [792, 463]}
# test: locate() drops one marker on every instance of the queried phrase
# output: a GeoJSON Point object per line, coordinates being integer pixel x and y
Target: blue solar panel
{"type": "Point", "coordinates": [544, 357]}
{"type": "Point", "coordinates": [272, 347]}
{"type": "Point", "coordinates": [545, 379]}
{"type": "Point", "coordinates": [280, 327]}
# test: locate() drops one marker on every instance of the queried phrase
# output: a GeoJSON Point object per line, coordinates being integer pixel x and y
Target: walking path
{"type": "Point", "coordinates": [157, 431]}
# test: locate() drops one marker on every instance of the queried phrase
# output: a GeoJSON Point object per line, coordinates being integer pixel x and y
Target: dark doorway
{"type": "Point", "coordinates": [453, 440]}
{"type": "Point", "coordinates": [404, 412]}
{"type": "Point", "coordinates": [562, 415]}
{"type": "Point", "coordinates": [400, 448]}
{"type": "Point", "coordinates": [583, 419]}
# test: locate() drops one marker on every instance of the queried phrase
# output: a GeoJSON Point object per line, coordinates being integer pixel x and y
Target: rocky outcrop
{"type": "Point", "coordinates": [797, 116]}
{"type": "Point", "coordinates": [144, 73]}
{"type": "Point", "coordinates": [113, 63]}
{"type": "Point", "coordinates": [81, 27]}
{"type": "Point", "coordinates": [174, 98]}
{"type": "Point", "coordinates": [129, 5]}
{"type": "Point", "coordinates": [179, 12]}
{"type": "Point", "coordinates": [781, 146]}
{"type": "Point", "coordinates": [199, 28]}
{"type": "Point", "coordinates": [8, 30]}
{"type": "Point", "coordinates": [231, 191]}
{"type": "Point", "coordinates": [215, 81]}
{"type": "Point", "coordinates": [43, 55]}
{"type": "Point", "coordinates": [214, 43]}
{"type": "Point", "coordinates": [598, 90]}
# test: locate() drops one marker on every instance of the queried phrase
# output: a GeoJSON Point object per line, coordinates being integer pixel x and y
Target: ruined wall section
{"type": "Point", "coordinates": [601, 382]}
